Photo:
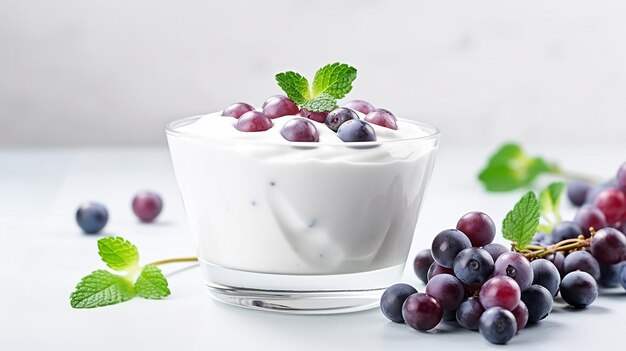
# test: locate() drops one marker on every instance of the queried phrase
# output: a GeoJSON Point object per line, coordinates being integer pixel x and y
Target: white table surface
{"type": "Point", "coordinates": [44, 254]}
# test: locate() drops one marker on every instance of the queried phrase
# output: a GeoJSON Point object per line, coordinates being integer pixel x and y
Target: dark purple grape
{"type": "Point", "coordinates": [449, 316]}
{"type": "Point", "coordinates": [500, 291]}
{"type": "Point", "coordinates": [362, 106]}
{"type": "Point", "coordinates": [597, 189]}
{"type": "Point", "coordinates": [469, 312]}
{"type": "Point", "coordinates": [622, 276]}
{"type": "Point", "coordinates": [577, 192]}
{"type": "Point", "coordinates": [356, 130]}
{"type": "Point", "coordinates": [495, 250]}
{"type": "Point", "coordinates": [253, 121]}
{"type": "Point", "coordinates": [436, 269]}
{"type": "Point", "coordinates": [579, 289]}
{"type": "Point", "coordinates": [541, 239]}
{"type": "Point", "coordinates": [237, 109]}
{"type": "Point", "coordinates": [497, 325]}
{"type": "Point", "coordinates": [581, 261]}
{"type": "Point", "coordinates": [612, 202]}
{"type": "Point", "coordinates": [279, 107]}
{"type": "Point", "coordinates": [608, 246]}
{"type": "Point", "coordinates": [539, 302]}
{"type": "Point", "coordinates": [447, 290]}
{"type": "Point", "coordinates": [589, 216]}
{"type": "Point", "coordinates": [421, 264]}
{"type": "Point", "coordinates": [478, 227]}
{"type": "Point", "coordinates": [269, 99]}
{"type": "Point", "coordinates": [565, 230]}
{"type": "Point", "coordinates": [336, 117]}
{"type": "Point", "coordinates": [392, 300]}
{"type": "Point", "coordinates": [92, 217]}
{"type": "Point", "coordinates": [557, 259]}
{"type": "Point", "coordinates": [147, 205]}
{"type": "Point", "coordinates": [521, 315]}
{"type": "Point", "coordinates": [473, 266]}
{"type": "Point", "coordinates": [422, 312]}
{"type": "Point", "coordinates": [317, 116]}
{"type": "Point", "coordinates": [621, 176]}
{"type": "Point", "coordinates": [300, 130]}
{"type": "Point", "coordinates": [383, 118]}
{"type": "Point", "coordinates": [609, 274]}
{"type": "Point", "coordinates": [515, 266]}
{"type": "Point", "coordinates": [546, 274]}
{"type": "Point", "coordinates": [447, 244]}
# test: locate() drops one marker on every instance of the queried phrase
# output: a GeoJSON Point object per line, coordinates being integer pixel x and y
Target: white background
{"type": "Point", "coordinates": [113, 72]}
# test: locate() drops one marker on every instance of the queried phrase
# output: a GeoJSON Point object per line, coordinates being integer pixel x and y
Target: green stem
{"type": "Point", "coordinates": [575, 175]}
{"type": "Point", "coordinates": [174, 260]}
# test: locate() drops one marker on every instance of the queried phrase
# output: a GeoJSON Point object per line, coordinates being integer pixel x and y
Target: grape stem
{"type": "Point", "coordinates": [574, 175]}
{"type": "Point", "coordinates": [532, 252]}
{"type": "Point", "coordinates": [174, 260]}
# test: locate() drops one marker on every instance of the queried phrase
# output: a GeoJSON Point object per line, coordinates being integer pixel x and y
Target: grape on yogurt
{"type": "Point", "coordinates": [383, 118]}
{"type": "Point", "coordinates": [360, 105]}
{"type": "Point", "coordinates": [579, 289]}
{"type": "Point", "coordinates": [337, 117]}
{"type": "Point", "coordinates": [356, 130]}
{"type": "Point", "coordinates": [300, 130]}
{"type": "Point", "coordinates": [237, 109]}
{"type": "Point", "coordinates": [317, 116]}
{"type": "Point", "coordinates": [478, 227]}
{"type": "Point", "coordinates": [147, 205]}
{"type": "Point", "coordinates": [279, 107]}
{"type": "Point", "coordinates": [392, 300]}
{"type": "Point", "coordinates": [253, 121]}
{"type": "Point", "coordinates": [92, 217]}
{"type": "Point", "coordinates": [269, 99]}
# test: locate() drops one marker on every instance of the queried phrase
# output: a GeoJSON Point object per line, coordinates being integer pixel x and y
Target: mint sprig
{"type": "Point", "coordinates": [103, 288]}
{"type": "Point", "coordinates": [331, 82]}
{"type": "Point", "coordinates": [520, 224]}
{"type": "Point", "coordinates": [550, 203]}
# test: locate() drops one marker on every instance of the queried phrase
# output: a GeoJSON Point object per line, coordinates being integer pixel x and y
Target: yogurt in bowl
{"type": "Point", "coordinates": [305, 227]}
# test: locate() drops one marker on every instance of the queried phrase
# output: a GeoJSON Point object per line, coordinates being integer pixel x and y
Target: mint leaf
{"type": "Point", "coordinates": [520, 224]}
{"type": "Point", "coordinates": [510, 168]}
{"type": "Point", "coordinates": [101, 288]}
{"type": "Point", "coordinates": [151, 284]}
{"type": "Point", "coordinates": [550, 197]}
{"type": "Point", "coordinates": [334, 79]}
{"type": "Point", "coordinates": [295, 86]}
{"type": "Point", "coordinates": [118, 253]}
{"type": "Point", "coordinates": [323, 102]}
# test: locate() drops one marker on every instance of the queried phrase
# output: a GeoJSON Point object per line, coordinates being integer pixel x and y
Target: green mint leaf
{"type": "Point", "coordinates": [520, 224]}
{"type": "Point", "coordinates": [118, 253]}
{"type": "Point", "coordinates": [334, 79]}
{"type": "Point", "coordinates": [510, 168]}
{"type": "Point", "coordinates": [550, 197]}
{"type": "Point", "coordinates": [321, 103]}
{"type": "Point", "coordinates": [295, 86]}
{"type": "Point", "coordinates": [101, 288]}
{"type": "Point", "coordinates": [151, 284]}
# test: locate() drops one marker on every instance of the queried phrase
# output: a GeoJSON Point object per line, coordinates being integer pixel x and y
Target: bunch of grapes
{"type": "Point", "coordinates": [486, 287]}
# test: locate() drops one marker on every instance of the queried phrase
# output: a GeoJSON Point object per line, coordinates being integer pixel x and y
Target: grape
{"type": "Point", "coordinates": [541, 239]}
{"type": "Point", "coordinates": [478, 227]}
{"type": "Point", "coordinates": [500, 291]}
{"type": "Point", "coordinates": [589, 216]}
{"type": "Point", "coordinates": [581, 261]}
{"type": "Point", "coordinates": [279, 107]}
{"type": "Point", "coordinates": [565, 230]}
{"type": "Point", "coordinates": [473, 266]}
{"type": "Point", "coordinates": [557, 259]}
{"type": "Point", "coordinates": [521, 315]}
{"type": "Point", "coordinates": [422, 262]}
{"type": "Point", "coordinates": [447, 244]}
{"type": "Point", "coordinates": [436, 269]}
{"type": "Point", "coordinates": [577, 192]}
{"type": "Point", "coordinates": [356, 130]}
{"type": "Point", "coordinates": [237, 109]}
{"type": "Point", "coordinates": [597, 189]}
{"type": "Point", "coordinates": [422, 312]}
{"type": "Point", "coordinates": [300, 130]}
{"type": "Point", "coordinates": [92, 217]}
{"type": "Point", "coordinates": [147, 205]}
{"type": "Point", "coordinates": [495, 250]}
{"type": "Point", "coordinates": [621, 176]}
{"type": "Point", "coordinates": [317, 116]}
{"type": "Point", "coordinates": [546, 274]}
{"type": "Point", "coordinates": [447, 290]}
{"type": "Point", "coordinates": [539, 302]}
{"type": "Point", "coordinates": [469, 312]}
{"type": "Point", "coordinates": [362, 106]}
{"type": "Point", "coordinates": [622, 276]}
{"type": "Point", "coordinates": [449, 316]}
{"type": "Point", "coordinates": [497, 325]}
{"type": "Point", "coordinates": [253, 121]}
{"type": "Point", "coordinates": [612, 202]}
{"type": "Point", "coordinates": [579, 289]}
{"type": "Point", "coordinates": [609, 246]}
{"type": "Point", "coordinates": [609, 274]}
{"type": "Point", "coordinates": [271, 98]}
{"type": "Point", "coordinates": [516, 266]}
{"type": "Point", "coordinates": [382, 118]}
{"type": "Point", "coordinates": [392, 300]}
{"type": "Point", "coordinates": [336, 117]}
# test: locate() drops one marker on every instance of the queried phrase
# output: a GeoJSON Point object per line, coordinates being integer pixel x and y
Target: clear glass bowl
{"type": "Point", "coordinates": [301, 227]}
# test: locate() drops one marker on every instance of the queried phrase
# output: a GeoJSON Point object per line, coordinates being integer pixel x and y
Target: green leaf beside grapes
{"type": "Point", "coordinates": [520, 224]}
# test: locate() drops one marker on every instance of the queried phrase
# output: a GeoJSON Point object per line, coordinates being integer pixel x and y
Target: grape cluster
{"type": "Point", "coordinates": [488, 288]}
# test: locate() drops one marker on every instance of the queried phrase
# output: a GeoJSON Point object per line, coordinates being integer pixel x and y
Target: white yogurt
{"type": "Point", "coordinates": [259, 203]}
